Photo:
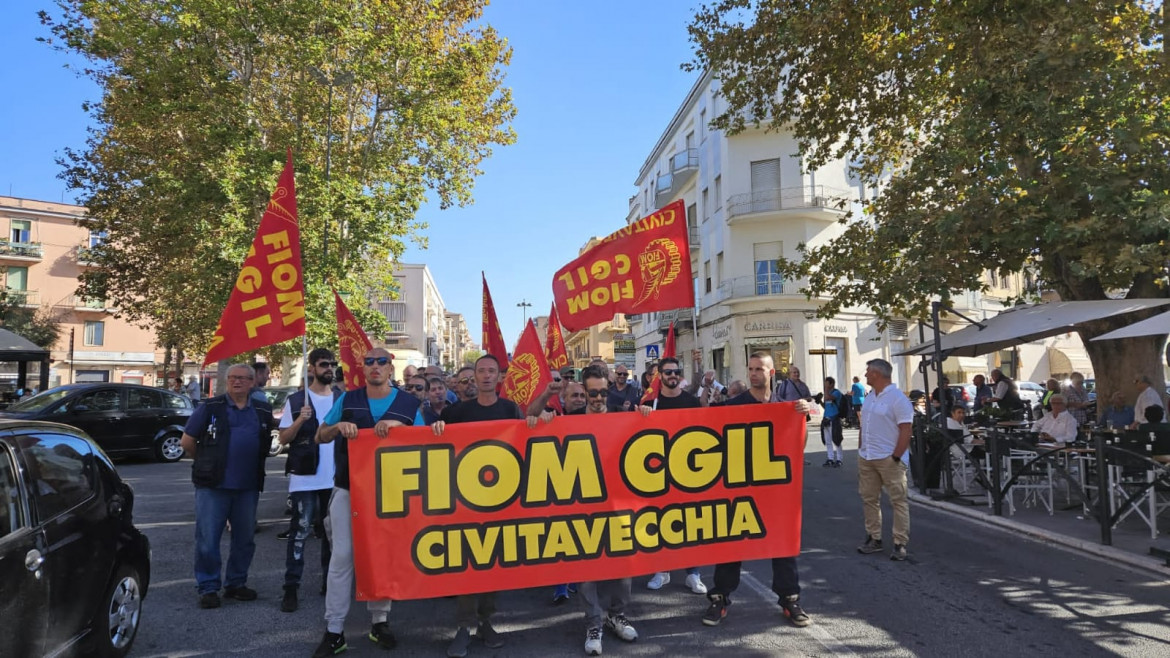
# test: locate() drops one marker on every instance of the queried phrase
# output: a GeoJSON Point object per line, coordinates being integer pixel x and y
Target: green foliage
{"type": "Point", "coordinates": [38, 325]}
{"type": "Point", "coordinates": [470, 356]}
{"type": "Point", "coordinates": [200, 100]}
{"type": "Point", "coordinates": [1004, 136]}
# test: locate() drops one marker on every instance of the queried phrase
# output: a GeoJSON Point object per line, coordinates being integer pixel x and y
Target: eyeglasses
{"type": "Point", "coordinates": [623, 374]}
{"type": "Point", "coordinates": [466, 380]}
{"type": "Point", "coordinates": [597, 392]}
{"type": "Point", "coordinates": [415, 387]}
{"type": "Point", "coordinates": [239, 378]}
{"type": "Point", "coordinates": [667, 372]}
{"type": "Point", "coordinates": [327, 364]}
{"type": "Point", "coordinates": [380, 360]}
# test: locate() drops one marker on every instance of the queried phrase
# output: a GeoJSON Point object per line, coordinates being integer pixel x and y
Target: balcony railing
{"type": "Point", "coordinates": [755, 286]}
{"type": "Point", "coordinates": [682, 317]}
{"type": "Point", "coordinates": [21, 249]}
{"type": "Point", "coordinates": [788, 198]}
{"type": "Point", "coordinates": [683, 166]}
{"type": "Point", "coordinates": [23, 297]}
{"type": "Point", "coordinates": [86, 303]}
{"type": "Point", "coordinates": [397, 327]}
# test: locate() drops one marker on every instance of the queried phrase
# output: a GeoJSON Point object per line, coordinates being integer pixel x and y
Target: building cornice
{"type": "Point", "coordinates": [675, 121]}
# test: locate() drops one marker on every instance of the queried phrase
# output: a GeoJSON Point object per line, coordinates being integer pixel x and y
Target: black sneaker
{"type": "Point", "coordinates": [209, 600]}
{"type": "Point", "coordinates": [331, 645]}
{"type": "Point", "coordinates": [282, 535]}
{"type": "Point", "coordinates": [380, 635]}
{"type": "Point", "coordinates": [899, 553]}
{"type": "Point", "coordinates": [717, 610]}
{"type": "Point", "coordinates": [792, 610]}
{"type": "Point", "coordinates": [289, 602]}
{"type": "Point", "coordinates": [828, 464]}
{"type": "Point", "coordinates": [460, 643]}
{"type": "Point", "coordinates": [837, 464]}
{"type": "Point", "coordinates": [871, 545]}
{"type": "Point", "coordinates": [490, 637]}
{"type": "Point", "coordinates": [240, 593]}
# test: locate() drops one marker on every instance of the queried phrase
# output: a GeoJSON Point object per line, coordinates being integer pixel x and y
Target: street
{"type": "Point", "coordinates": [966, 590]}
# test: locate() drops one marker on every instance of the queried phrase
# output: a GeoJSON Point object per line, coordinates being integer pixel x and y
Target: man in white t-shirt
{"type": "Point", "coordinates": [883, 455]}
{"type": "Point", "coordinates": [1147, 397]}
{"type": "Point", "coordinates": [310, 468]}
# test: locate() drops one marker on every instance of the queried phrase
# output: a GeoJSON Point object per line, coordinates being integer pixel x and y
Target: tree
{"type": "Point", "coordinates": [469, 356]}
{"type": "Point", "coordinates": [1002, 136]}
{"type": "Point", "coordinates": [200, 99]}
{"type": "Point", "coordinates": [39, 325]}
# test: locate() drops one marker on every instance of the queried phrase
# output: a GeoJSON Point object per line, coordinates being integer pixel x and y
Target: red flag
{"type": "Point", "coordinates": [493, 338]}
{"type": "Point", "coordinates": [352, 344]}
{"type": "Point", "coordinates": [267, 304]}
{"type": "Point", "coordinates": [554, 342]}
{"type": "Point", "coordinates": [651, 393]}
{"type": "Point", "coordinates": [528, 373]}
{"type": "Point", "coordinates": [643, 267]}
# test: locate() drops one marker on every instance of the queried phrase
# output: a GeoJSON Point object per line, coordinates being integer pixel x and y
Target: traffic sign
{"type": "Point", "coordinates": [651, 351]}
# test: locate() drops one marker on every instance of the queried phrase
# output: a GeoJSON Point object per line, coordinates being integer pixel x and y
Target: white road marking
{"type": "Point", "coordinates": [830, 644]}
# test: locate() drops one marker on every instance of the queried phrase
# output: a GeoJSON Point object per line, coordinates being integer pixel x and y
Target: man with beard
{"type": "Point", "coordinates": [785, 579]}
{"type": "Point", "coordinates": [310, 470]}
{"type": "Point", "coordinates": [613, 594]}
{"type": "Point", "coordinates": [417, 386]}
{"type": "Point", "coordinates": [672, 396]}
{"type": "Point", "coordinates": [380, 406]}
{"type": "Point", "coordinates": [464, 384]}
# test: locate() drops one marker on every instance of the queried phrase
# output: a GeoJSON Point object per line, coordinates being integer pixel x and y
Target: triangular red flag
{"type": "Point", "coordinates": [651, 393]}
{"type": "Point", "coordinates": [267, 304]}
{"type": "Point", "coordinates": [529, 374]}
{"type": "Point", "coordinates": [554, 342]}
{"type": "Point", "coordinates": [493, 338]}
{"type": "Point", "coordinates": [352, 344]}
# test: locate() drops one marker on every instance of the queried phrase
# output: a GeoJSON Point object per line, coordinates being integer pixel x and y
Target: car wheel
{"type": "Point", "coordinates": [116, 624]}
{"type": "Point", "coordinates": [275, 448]}
{"type": "Point", "coordinates": [169, 449]}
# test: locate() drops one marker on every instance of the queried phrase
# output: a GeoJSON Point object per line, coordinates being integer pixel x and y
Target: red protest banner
{"type": "Point", "coordinates": [493, 338]}
{"type": "Point", "coordinates": [528, 373]}
{"type": "Point", "coordinates": [267, 304]}
{"type": "Point", "coordinates": [554, 342]}
{"type": "Point", "coordinates": [643, 267]}
{"type": "Point", "coordinates": [494, 505]}
{"type": "Point", "coordinates": [352, 344]}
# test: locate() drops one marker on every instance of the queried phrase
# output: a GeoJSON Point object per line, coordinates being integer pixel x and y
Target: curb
{"type": "Point", "coordinates": [1113, 554]}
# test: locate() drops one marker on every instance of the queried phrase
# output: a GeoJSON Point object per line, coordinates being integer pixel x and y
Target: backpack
{"type": "Point", "coordinates": [844, 405]}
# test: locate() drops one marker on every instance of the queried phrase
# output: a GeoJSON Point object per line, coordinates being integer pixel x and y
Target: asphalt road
{"type": "Point", "coordinates": [967, 590]}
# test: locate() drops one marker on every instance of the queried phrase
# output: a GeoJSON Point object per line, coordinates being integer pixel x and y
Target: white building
{"type": "Point", "coordinates": [749, 202]}
{"type": "Point", "coordinates": [418, 319]}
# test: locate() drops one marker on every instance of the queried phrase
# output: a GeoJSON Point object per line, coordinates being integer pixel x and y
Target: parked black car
{"type": "Point", "coordinates": [73, 568]}
{"type": "Point", "coordinates": [123, 419]}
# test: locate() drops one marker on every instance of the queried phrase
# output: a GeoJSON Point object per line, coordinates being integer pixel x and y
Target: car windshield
{"type": "Point", "coordinates": [41, 401]}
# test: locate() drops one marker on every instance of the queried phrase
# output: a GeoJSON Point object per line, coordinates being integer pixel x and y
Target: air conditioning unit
{"type": "Point", "coordinates": [819, 202]}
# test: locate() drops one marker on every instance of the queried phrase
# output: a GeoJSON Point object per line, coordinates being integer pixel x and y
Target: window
{"type": "Point", "coordinates": [143, 399]}
{"type": "Point", "coordinates": [692, 221]}
{"type": "Point", "coordinates": [767, 268]}
{"type": "Point", "coordinates": [105, 399]}
{"type": "Point", "coordinates": [707, 274]}
{"type": "Point", "coordinates": [718, 192]}
{"type": "Point", "coordinates": [994, 278]}
{"type": "Point", "coordinates": [766, 175]}
{"type": "Point", "coordinates": [706, 211]}
{"type": "Point", "coordinates": [95, 333]}
{"type": "Point", "coordinates": [172, 401]}
{"type": "Point", "coordinates": [719, 268]}
{"type": "Point", "coordinates": [703, 126]}
{"type": "Point", "coordinates": [61, 469]}
{"type": "Point", "coordinates": [17, 278]}
{"type": "Point", "coordinates": [691, 140]}
{"type": "Point", "coordinates": [11, 503]}
{"type": "Point", "coordinates": [96, 238]}
{"type": "Point", "coordinates": [21, 231]}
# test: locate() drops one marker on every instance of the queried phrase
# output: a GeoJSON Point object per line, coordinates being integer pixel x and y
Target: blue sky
{"type": "Point", "coordinates": [594, 84]}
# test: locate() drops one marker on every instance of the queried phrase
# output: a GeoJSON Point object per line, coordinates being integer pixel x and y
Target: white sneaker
{"type": "Point", "coordinates": [695, 583]}
{"type": "Point", "coordinates": [661, 578]}
{"type": "Point", "coordinates": [621, 627]}
{"type": "Point", "coordinates": [593, 641]}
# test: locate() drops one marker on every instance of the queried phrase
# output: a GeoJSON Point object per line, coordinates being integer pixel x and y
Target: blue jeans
{"type": "Point", "coordinates": [307, 506]}
{"type": "Point", "coordinates": [213, 509]}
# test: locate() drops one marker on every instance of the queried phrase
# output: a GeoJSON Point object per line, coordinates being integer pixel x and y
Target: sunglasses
{"type": "Point", "coordinates": [380, 360]}
{"type": "Point", "coordinates": [623, 374]}
{"type": "Point", "coordinates": [415, 387]}
{"type": "Point", "coordinates": [597, 392]}
{"type": "Point", "coordinates": [666, 372]}
{"type": "Point", "coordinates": [327, 364]}
{"type": "Point", "coordinates": [556, 379]}
{"type": "Point", "coordinates": [467, 380]}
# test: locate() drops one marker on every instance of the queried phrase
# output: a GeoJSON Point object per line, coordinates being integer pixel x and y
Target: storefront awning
{"type": "Point", "coordinates": [968, 365]}
{"type": "Point", "coordinates": [1064, 361]}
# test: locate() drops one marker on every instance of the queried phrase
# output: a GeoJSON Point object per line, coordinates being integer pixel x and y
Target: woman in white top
{"type": "Point", "coordinates": [1059, 426]}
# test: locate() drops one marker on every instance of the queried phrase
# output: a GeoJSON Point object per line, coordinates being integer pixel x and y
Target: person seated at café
{"type": "Point", "coordinates": [1155, 417]}
{"type": "Point", "coordinates": [957, 422]}
{"type": "Point", "coordinates": [1118, 414]}
{"type": "Point", "coordinates": [1051, 388]}
{"type": "Point", "coordinates": [1059, 426]}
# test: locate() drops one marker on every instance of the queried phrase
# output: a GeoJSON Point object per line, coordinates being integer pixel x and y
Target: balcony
{"type": "Point", "coordinates": [30, 298]}
{"type": "Point", "coordinates": [85, 254]}
{"type": "Point", "coordinates": [683, 167]}
{"type": "Point", "coordinates": [683, 317]}
{"type": "Point", "coordinates": [632, 318]}
{"type": "Point", "coordinates": [747, 288]}
{"type": "Point", "coordinates": [86, 304]}
{"type": "Point", "coordinates": [816, 201]}
{"type": "Point", "coordinates": [397, 328]}
{"type": "Point", "coordinates": [20, 252]}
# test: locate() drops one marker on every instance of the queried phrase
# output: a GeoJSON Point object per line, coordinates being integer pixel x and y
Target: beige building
{"type": "Point", "coordinates": [42, 253]}
{"type": "Point", "coordinates": [456, 341]}
{"type": "Point", "coordinates": [418, 319]}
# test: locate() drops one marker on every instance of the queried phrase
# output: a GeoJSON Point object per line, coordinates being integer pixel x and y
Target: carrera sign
{"type": "Point", "coordinates": [495, 505]}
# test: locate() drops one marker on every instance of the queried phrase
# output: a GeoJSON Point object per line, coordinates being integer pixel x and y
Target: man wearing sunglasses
{"type": "Point", "coordinates": [672, 396]}
{"type": "Point", "coordinates": [380, 406]}
{"type": "Point", "coordinates": [785, 579]}
{"type": "Point", "coordinates": [310, 469]}
{"type": "Point", "coordinates": [465, 386]}
{"type": "Point", "coordinates": [486, 405]}
{"type": "Point", "coordinates": [418, 387]}
{"type": "Point", "coordinates": [624, 395]}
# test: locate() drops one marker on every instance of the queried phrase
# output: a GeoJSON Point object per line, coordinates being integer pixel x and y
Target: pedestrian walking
{"type": "Point", "coordinates": [831, 432]}
{"type": "Point", "coordinates": [228, 438]}
{"type": "Point", "coordinates": [883, 456]}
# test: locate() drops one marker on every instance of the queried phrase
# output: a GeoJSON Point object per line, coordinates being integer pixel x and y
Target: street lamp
{"type": "Point", "coordinates": [524, 306]}
{"type": "Point", "coordinates": [342, 78]}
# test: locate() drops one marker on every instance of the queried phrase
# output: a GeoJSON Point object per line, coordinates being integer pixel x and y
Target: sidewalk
{"type": "Point", "coordinates": [1071, 528]}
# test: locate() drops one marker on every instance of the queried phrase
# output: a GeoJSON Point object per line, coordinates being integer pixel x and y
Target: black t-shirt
{"type": "Point", "coordinates": [683, 400]}
{"type": "Point", "coordinates": [470, 411]}
{"type": "Point", "coordinates": [743, 398]}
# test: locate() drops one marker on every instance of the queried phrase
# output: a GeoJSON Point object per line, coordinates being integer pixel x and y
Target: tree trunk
{"type": "Point", "coordinates": [1117, 363]}
{"type": "Point", "coordinates": [166, 366]}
